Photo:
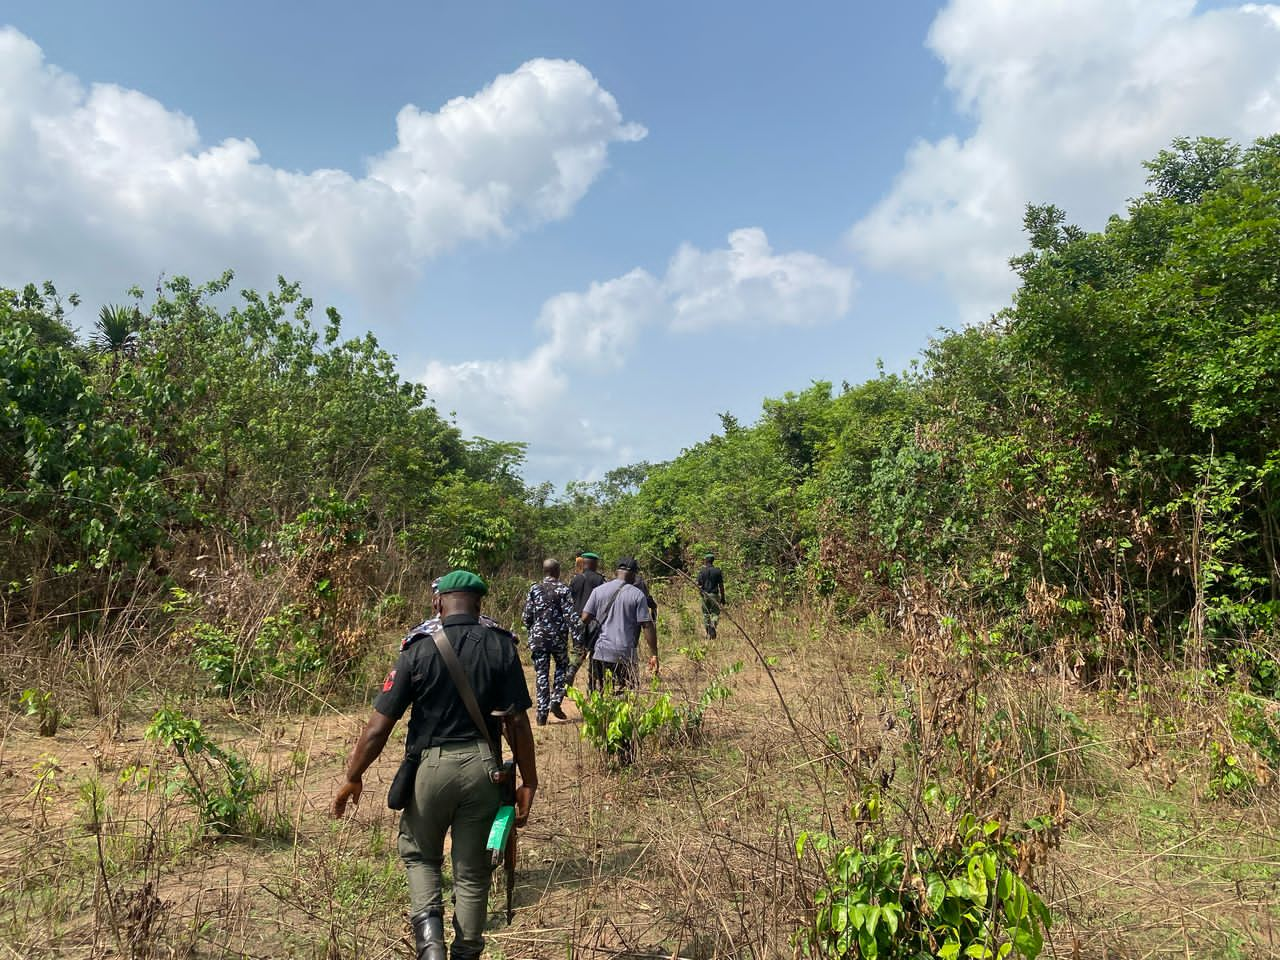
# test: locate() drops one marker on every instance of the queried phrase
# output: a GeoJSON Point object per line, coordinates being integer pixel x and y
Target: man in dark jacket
{"type": "Point", "coordinates": [711, 587]}
{"type": "Point", "coordinates": [581, 588]}
{"type": "Point", "coordinates": [454, 790]}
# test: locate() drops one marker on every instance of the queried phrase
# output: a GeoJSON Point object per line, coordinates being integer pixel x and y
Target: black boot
{"type": "Point", "coordinates": [428, 934]}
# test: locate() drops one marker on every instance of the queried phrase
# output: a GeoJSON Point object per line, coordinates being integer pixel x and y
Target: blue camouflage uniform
{"type": "Point", "coordinates": [550, 618]}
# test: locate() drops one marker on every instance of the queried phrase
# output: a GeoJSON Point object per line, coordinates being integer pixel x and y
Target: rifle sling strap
{"type": "Point", "coordinates": [454, 666]}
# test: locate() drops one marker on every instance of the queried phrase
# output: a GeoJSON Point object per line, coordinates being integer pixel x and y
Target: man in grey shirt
{"type": "Point", "coordinates": [623, 612]}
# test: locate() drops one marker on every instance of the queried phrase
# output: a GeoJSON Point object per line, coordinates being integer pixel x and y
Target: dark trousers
{"type": "Point", "coordinates": [710, 614]}
{"type": "Point", "coordinates": [581, 655]}
{"type": "Point", "coordinates": [623, 674]}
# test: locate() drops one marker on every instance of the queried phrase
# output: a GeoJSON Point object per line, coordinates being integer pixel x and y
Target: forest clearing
{"type": "Point", "coordinates": [688, 852]}
{"type": "Point", "coordinates": [998, 672]}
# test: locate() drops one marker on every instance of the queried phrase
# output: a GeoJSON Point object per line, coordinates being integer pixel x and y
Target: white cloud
{"type": "Point", "coordinates": [596, 332]}
{"type": "Point", "coordinates": [748, 284]}
{"type": "Point", "coordinates": [585, 332]}
{"type": "Point", "coordinates": [1068, 98]}
{"type": "Point", "coordinates": [113, 184]}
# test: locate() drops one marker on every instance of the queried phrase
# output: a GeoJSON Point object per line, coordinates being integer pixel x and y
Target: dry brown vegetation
{"type": "Point", "coordinates": [688, 852]}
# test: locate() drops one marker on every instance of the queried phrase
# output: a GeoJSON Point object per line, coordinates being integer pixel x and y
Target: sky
{"type": "Point", "coordinates": [594, 227]}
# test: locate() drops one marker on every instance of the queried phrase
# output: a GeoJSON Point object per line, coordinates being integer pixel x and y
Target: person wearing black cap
{"type": "Point", "coordinates": [711, 587]}
{"type": "Point", "coordinates": [453, 791]}
{"type": "Point", "coordinates": [580, 588]}
{"type": "Point", "coordinates": [623, 614]}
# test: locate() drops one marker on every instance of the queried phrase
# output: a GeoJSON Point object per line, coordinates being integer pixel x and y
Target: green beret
{"type": "Point", "coordinates": [589, 556]}
{"type": "Point", "coordinates": [461, 581]}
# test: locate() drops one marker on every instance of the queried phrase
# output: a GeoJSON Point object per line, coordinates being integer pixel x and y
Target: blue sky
{"type": "Point", "coordinates": [755, 196]}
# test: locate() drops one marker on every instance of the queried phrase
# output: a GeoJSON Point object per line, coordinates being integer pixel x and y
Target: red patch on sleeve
{"type": "Point", "coordinates": [386, 684]}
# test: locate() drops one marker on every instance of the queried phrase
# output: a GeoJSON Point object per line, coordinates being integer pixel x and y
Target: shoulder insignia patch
{"type": "Point", "coordinates": [493, 624]}
{"type": "Point", "coordinates": [421, 630]}
{"type": "Point", "coordinates": [389, 682]}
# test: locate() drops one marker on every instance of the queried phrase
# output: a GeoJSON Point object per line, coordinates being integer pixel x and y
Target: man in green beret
{"type": "Point", "coordinates": [454, 791]}
{"type": "Point", "coordinates": [433, 621]}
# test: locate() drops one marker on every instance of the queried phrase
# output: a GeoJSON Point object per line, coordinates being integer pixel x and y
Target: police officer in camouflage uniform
{"type": "Point", "coordinates": [453, 790]}
{"type": "Point", "coordinates": [549, 617]}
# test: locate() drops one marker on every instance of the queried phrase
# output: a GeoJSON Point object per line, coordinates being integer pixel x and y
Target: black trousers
{"type": "Point", "coordinates": [623, 673]}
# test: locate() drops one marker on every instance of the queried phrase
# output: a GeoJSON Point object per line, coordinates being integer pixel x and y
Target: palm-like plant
{"type": "Point", "coordinates": [117, 331]}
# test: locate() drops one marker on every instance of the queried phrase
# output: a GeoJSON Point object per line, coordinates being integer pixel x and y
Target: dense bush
{"type": "Point", "coordinates": [182, 428]}
{"type": "Point", "coordinates": [619, 722]}
{"type": "Point", "coordinates": [222, 785]}
{"type": "Point", "coordinates": [1094, 467]}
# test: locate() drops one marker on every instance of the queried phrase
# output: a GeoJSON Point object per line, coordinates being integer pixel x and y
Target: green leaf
{"type": "Point", "coordinates": [873, 919]}
{"type": "Point", "coordinates": [1004, 885]}
{"type": "Point", "coordinates": [1028, 940]}
{"type": "Point", "coordinates": [891, 913]}
{"type": "Point", "coordinates": [867, 945]}
{"type": "Point", "coordinates": [989, 866]}
{"type": "Point", "coordinates": [858, 915]}
{"type": "Point", "coordinates": [839, 917]}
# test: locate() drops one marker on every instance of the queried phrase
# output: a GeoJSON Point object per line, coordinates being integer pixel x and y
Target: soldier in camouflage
{"type": "Point", "coordinates": [550, 619]}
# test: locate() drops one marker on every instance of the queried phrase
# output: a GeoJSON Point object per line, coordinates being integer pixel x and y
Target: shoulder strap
{"type": "Point", "coordinates": [609, 606]}
{"type": "Point", "coordinates": [460, 681]}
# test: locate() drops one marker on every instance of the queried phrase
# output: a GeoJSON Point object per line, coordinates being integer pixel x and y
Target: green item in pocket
{"type": "Point", "coordinates": [503, 821]}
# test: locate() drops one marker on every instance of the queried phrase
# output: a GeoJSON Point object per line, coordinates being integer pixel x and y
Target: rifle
{"type": "Point", "coordinates": [502, 837]}
{"type": "Point", "coordinates": [509, 857]}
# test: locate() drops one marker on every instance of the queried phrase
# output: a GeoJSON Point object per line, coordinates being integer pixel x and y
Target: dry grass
{"type": "Point", "coordinates": [689, 852]}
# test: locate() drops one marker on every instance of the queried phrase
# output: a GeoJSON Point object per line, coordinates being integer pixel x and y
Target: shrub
{"type": "Point", "coordinates": [218, 653]}
{"type": "Point", "coordinates": [222, 785]}
{"type": "Point", "coordinates": [966, 896]}
{"type": "Point", "coordinates": [42, 705]}
{"type": "Point", "coordinates": [284, 647]}
{"type": "Point", "coordinates": [617, 723]}
{"type": "Point", "coordinates": [1251, 756]}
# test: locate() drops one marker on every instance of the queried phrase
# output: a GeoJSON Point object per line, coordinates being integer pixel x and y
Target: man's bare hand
{"type": "Point", "coordinates": [524, 801]}
{"type": "Point", "coordinates": [350, 790]}
{"type": "Point", "coordinates": [653, 666]}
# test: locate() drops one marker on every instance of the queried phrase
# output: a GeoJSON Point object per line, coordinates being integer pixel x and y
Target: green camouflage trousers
{"type": "Point", "coordinates": [710, 614]}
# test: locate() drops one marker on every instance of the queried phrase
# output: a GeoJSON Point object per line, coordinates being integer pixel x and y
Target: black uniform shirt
{"type": "Point", "coordinates": [489, 660]}
{"type": "Point", "coordinates": [581, 586]}
{"type": "Point", "coordinates": [711, 581]}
